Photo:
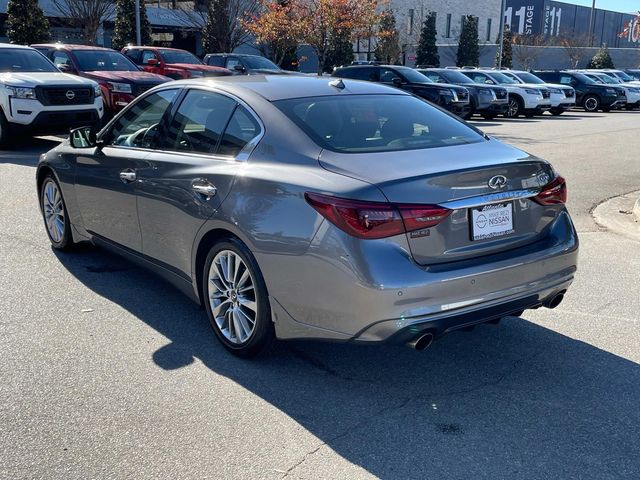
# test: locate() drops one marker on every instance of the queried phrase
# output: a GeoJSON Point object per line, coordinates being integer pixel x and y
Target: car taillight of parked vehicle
{"type": "Point", "coordinates": [371, 220]}
{"type": "Point", "coordinates": [554, 193]}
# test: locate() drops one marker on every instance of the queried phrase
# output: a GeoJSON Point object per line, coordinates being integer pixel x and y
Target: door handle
{"type": "Point", "coordinates": [128, 175]}
{"type": "Point", "coordinates": [204, 187]}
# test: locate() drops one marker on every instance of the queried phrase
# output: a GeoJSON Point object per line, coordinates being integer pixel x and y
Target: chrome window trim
{"type": "Point", "coordinates": [498, 197]}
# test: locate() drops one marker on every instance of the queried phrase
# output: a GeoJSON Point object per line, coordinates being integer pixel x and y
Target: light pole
{"type": "Point", "coordinates": [138, 33]}
{"type": "Point", "coordinates": [591, 19]}
{"type": "Point", "coordinates": [501, 45]}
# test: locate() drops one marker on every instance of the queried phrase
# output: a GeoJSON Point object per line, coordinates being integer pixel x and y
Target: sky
{"type": "Point", "coordinates": [626, 6]}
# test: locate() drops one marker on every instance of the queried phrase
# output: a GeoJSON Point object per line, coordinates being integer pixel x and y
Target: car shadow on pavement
{"type": "Point", "coordinates": [26, 151]}
{"type": "Point", "coordinates": [515, 400]}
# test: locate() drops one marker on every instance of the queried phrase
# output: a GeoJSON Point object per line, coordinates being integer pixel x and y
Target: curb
{"type": "Point", "coordinates": [636, 210]}
{"type": "Point", "coordinates": [620, 215]}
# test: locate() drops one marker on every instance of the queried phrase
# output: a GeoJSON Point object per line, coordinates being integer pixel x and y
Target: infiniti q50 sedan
{"type": "Point", "coordinates": [298, 207]}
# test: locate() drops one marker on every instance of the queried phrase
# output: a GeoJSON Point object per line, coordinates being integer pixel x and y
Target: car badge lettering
{"type": "Point", "coordinates": [497, 181]}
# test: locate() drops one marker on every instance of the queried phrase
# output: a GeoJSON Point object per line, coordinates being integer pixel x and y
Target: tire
{"type": "Point", "coordinates": [556, 111]}
{"type": "Point", "coordinates": [515, 107]}
{"type": "Point", "coordinates": [591, 103]}
{"type": "Point", "coordinates": [54, 214]}
{"type": "Point", "coordinates": [235, 304]}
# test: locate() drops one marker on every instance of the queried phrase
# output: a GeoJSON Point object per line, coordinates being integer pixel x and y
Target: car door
{"type": "Point", "coordinates": [184, 184]}
{"type": "Point", "coordinates": [106, 177]}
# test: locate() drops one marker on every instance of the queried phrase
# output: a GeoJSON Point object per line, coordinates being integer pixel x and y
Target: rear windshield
{"type": "Point", "coordinates": [376, 123]}
{"type": "Point", "coordinates": [24, 60]}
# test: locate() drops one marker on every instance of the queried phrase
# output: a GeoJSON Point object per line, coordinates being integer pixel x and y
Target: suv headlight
{"type": "Point", "coordinates": [119, 87]}
{"type": "Point", "coordinates": [532, 91]}
{"type": "Point", "coordinates": [22, 92]}
{"type": "Point", "coordinates": [485, 91]}
{"type": "Point", "coordinates": [196, 73]}
{"type": "Point", "coordinates": [97, 91]}
{"type": "Point", "coordinates": [554, 90]}
{"type": "Point", "coordinates": [634, 90]}
{"type": "Point", "coordinates": [611, 91]}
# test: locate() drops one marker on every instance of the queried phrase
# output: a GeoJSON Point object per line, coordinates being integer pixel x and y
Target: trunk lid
{"type": "Point", "coordinates": [457, 177]}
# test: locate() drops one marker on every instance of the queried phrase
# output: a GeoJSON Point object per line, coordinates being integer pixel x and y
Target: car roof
{"type": "Point", "coordinates": [68, 46]}
{"type": "Point", "coordinates": [234, 54]}
{"type": "Point", "coordinates": [146, 47]}
{"type": "Point", "coordinates": [276, 87]}
{"type": "Point", "coordinates": [13, 45]}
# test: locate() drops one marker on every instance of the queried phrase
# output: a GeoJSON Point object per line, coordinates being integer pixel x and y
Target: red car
{"type": "Point", "coordinates": [174, 63]}
{"type": "Point", "coordinates": [120, 79]}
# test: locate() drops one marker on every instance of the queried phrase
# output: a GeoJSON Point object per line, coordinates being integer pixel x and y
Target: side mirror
{"type": "Point", "coordinates": [239, 68]}
{"type": "Point", "coordinates": [83, 137]}
{"type": "Point", "coordinates": [489, 82]}
{"type": "Point", "coordinates": [152, 62]}
{"type": "Point", "coordinates": [397, 81]}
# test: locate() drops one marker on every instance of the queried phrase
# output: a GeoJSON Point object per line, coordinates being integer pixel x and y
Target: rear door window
{"type": "Point", "coordinates": [241, 129]}
{"type": "Point", "coordinates": [388, 76]}
{"type": "Point", "coordinates": [216, 61]}
{"type": "Point", "coordinates": [200, 121]}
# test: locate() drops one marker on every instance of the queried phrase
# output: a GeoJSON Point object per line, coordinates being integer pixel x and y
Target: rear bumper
{"type": "Point", "coordinates": [372, 291]}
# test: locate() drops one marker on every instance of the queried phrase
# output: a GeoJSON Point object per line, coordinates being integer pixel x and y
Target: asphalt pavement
{"type": "Point", "coordinates": [108, 372]}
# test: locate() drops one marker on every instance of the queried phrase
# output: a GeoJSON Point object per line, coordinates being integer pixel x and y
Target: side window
{"type": "Point", "coordinates": [242, 128]}
{"type": "Point", "coordinates": [388, 76]}
{"type": "Point", "coordinates": [367, 74]}
{"type": "Point", "coordinates": [216, 61]}
{"type": "Point", "coordinates": [566, 79]}
{"type": "Point", "coordinates": [60, 58]}
{"type": "Point", "coordinates": [232, 62]}
{"type": "Point", "coordinates": [134, 54]}
{"type": "Point", "coordinates": [139, 126]}
{"type": "Point", "coordinates": [199, 122]}
{"type": "Point", "coordinates": [148, 55]}
{"type": "Point", "coordinates": [435, 77]}
{"type": "Point", "coordinates": [481, 78]}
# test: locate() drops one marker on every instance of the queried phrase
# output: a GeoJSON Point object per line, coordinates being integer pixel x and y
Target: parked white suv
{"type": "Point", "coordinates": [524, 99]}
{"type": "Point", "coordinates": [563, 97]}
{"type": "Point", "coordinates": [37, 98]}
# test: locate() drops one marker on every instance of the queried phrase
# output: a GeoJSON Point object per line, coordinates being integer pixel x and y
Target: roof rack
{"type": "Point", "coordinates": [452, 68]}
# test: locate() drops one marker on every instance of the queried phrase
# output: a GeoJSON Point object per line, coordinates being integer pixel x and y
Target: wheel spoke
{"type": "Point", "coordinates": [250, 304]}
{"type": "Point", "coordinates": [246, 317]}
{"type": "Point", "coordinates": [217, 310]}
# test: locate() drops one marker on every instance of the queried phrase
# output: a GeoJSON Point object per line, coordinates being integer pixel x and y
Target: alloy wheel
{"type": "Point", "coordinates": [53, 209]}
{"type": "Point", "coordinates": [591, 104]}
{"type": "Point", "coordinates": [514, 108]}
{"type": "Point", "coordinates": [232, 296]}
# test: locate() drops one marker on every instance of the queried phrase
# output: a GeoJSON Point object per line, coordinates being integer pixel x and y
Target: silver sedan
{"type": "Point", "coordinates": [298, 207]}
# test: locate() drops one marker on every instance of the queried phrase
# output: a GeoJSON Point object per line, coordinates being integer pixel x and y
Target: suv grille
{"type": "Point", "coordinates": [546, 94]}
{"type": "Point", "coordinates": [568, 93]}
{"type": "Point", "coordinates": [621, 93]}
{"type": "Point", "coordinates": [64, 95]}
{"type": "Point", "coordinates": [462, 95]}
{"type": "Point", "coordinates": [140, 89]}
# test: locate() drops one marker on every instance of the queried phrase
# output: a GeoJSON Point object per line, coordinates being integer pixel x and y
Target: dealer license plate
{"type": "Point", "coordinates": [492, 221]}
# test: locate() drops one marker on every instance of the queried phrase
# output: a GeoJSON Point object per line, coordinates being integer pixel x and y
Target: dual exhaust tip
{"type": "Point", "coordinates": [424, 341]}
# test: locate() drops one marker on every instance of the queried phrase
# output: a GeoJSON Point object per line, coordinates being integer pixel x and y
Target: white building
{"type": "Point", "coordinates": [410, 15]}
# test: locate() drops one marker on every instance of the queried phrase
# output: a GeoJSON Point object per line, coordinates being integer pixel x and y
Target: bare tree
{"type": "Point", "coordinates": [527, 49]}
{"type": "Point", "coordinates": [575, 47]}
{"type": "Point", "coordinates": [88, 14]}
{"type": "Point", "coordinates": [221, 22]}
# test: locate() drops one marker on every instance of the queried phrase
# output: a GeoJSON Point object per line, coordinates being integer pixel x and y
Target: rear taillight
{"type": "Point", "coordinates": [554, 193]}
{"type": "Point", "coordinates": [375, 219]}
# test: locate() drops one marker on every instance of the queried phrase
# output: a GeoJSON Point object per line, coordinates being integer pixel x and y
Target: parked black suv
{"type": "Point", "coordinates": [590, 95]}
{"type": "Point", "coordinates": [451, 97]}
{"type": "Point", "coordinates": [488, 101]}
{"type": "Point", "coordinates": [243, 64]}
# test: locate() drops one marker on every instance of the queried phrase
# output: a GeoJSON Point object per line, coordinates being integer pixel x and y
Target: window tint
{"type": "Point", "coordinates": [433, 76]}
{"type": "Point", "coordinates": [376, 123]}
{"type": "Point", "coordinates": [103, 61]}
{"type": "Point", "coordinates": [242, 128]}
{"type": "Point", "coordinates": [479, 78]}
{"type": "Point", "coordinates": [199, 122]}
{"type": "Point", "coordinates": [138, 127]}
{"type": "Point", "coordinates": [232, 62]}
{"type": "Point", "coordinates": [134, 55]}
{"type": "Point", "coordinates": [367, 74]}
{"type": "Point", "coordinates": [24, 60]}
{"type": "Point", "coordinates": [216, 61]}
{"type": "Point", "coordinates": [61, 58]}
{"type": "Point", "coordinates": [147, 55]}
{"type": "Point", "coordinates": [387, 75]}
{"type": "Point", "coordinates": [566, 79]}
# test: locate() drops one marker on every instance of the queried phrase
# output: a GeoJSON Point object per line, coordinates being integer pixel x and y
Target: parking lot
{"type": "Point", "coordinates": [108, 372]}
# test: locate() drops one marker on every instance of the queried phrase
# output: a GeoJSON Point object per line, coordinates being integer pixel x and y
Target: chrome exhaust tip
{"type": "Point", "coordinates": [422, 342]}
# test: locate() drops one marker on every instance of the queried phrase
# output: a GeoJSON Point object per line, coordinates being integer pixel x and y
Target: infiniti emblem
{"type": "Point", "coordinates": [497, 181]}
{"type": "Point", "coordinates": [70, 95]}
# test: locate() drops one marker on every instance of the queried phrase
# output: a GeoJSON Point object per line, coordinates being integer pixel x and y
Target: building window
{"type": "Point", "coordinates": [448, 30]}
{"type": "Point", "coordinates": [488, 29]}
{"type": "Point", "coordinates": [411, 14]}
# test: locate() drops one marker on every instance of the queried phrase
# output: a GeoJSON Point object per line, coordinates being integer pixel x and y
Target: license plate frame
{"type": "Point", "coordinates": [491, 221]}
